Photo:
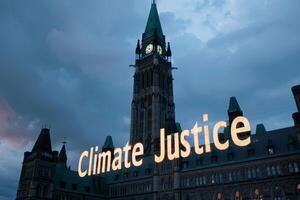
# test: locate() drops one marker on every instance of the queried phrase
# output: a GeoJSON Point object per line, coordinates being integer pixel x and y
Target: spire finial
{"type": "Point", "coordinates": [64, 142]}
{"type": "Point", "coordinates": [153, 2]}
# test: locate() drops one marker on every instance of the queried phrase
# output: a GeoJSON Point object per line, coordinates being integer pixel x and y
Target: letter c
{"type": "Point", "coordinates": [80, 173]}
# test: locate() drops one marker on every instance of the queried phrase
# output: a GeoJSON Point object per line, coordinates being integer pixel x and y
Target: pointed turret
{"type": "Point", "coordinates": [260, 129]}
{"type": "Point", "coordinates": [62, 157]}
{"type": "Point", "coordinates": [234, 109]}
{"type": "Point", "coordinates": [138, 50]}
{"type": "Point", "coordinates": [169, 53]}
{"type": "Point", "coordinates": [153, 24]}
{"type": "Point", "coordinates": [138, 47]}
{"type": "Point", "coordinates": [43, 143]}
{"type": "Point", "coordinates": [108, 145]}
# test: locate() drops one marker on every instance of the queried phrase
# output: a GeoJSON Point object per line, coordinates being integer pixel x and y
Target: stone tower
{"type": "Point", "coordinates": [152, 105]}
{"type": "Point", "coordinates": [296, 115]}
{"type": "Point", "coordinates": [36, 180]}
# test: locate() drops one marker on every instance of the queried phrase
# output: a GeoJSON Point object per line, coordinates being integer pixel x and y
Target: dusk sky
{"type": "Point", "coordinates": [65, 64]}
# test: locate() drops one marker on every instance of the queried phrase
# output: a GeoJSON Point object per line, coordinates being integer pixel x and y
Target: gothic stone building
{"type": "Point", "coordinates": [268, 168]}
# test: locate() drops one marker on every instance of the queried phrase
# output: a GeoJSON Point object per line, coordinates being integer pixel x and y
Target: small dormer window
{"type": "Point", "coordinates": [126, 175]}
{"type": "Point", "coordinates": [135, 173]}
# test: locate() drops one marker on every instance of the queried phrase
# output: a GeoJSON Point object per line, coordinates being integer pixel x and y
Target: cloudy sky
{"type": "Point", "coordinates": [64, 64]}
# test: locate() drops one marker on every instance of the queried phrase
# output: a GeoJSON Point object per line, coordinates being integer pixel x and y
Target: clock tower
{"type": "Point", "coordinates": [152, 105]}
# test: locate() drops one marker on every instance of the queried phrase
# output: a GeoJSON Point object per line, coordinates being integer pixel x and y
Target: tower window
{"type": "Point", "coordinates": [271, 150]}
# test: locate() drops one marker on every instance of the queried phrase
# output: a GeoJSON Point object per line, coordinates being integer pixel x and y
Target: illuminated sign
{"type": "Point", "coordinates": [101, 162]}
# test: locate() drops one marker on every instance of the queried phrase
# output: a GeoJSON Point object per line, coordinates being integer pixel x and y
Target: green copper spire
{"type": "Point", "coordinates": [260, 129]}
{"type": "Point", "coordinates": [108, 143]}
{"type": "Point", "coordinates": [233, 105]}
{"type": "Point", "coordinates": [153, 23]}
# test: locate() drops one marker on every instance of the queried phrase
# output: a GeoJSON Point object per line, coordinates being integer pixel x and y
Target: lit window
{"type": "Point", "coordinates": [271, 150]}
{"type": "Point", "coordinates": [212, 179]}
{"type": "Point", "coordinates": [219, 196]}
{"type": "Point", "coordinates": [237, 195]}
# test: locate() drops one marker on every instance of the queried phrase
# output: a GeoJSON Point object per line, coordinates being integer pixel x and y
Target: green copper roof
{"type": "Point", "coordinates": [178, 127]}
{"type": "Point", "coordinates": [108, 143]}
{"type": "Point", "coordinates": [153, 23]}
{"type": "Point", "coordinates": [233, 105]}
{"type": "Point", "coordinates": [260, 129]}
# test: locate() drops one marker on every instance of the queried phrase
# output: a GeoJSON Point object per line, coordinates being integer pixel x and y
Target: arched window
{"type": "Point", "coordinates": [219, 196]}
{"type": "Point", "coordinates": [257, 194]}
{"type": "Point", "coordinates": [237, 195]}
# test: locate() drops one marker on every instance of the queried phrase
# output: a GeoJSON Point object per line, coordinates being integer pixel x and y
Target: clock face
{"type": "Point", "coordinates": [149, 48]}
{"type": "Point", "coordinates": [159, 49]}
